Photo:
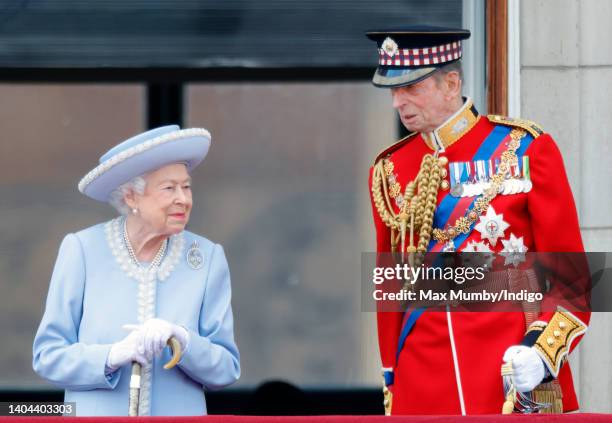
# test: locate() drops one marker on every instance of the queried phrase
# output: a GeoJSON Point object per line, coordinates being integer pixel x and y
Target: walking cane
{"type": "Point", "coordinates": [175, 346]}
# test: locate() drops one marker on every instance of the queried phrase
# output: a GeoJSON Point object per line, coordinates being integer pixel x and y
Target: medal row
{"type": "Point", "coordinates": [469, 179]}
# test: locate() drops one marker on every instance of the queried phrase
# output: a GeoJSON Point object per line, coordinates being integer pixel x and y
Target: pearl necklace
{"type": "Point", "coordinates": [156, 260]}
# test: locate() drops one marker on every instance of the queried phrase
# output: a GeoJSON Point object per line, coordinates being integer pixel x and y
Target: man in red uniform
{"type": "Point", "coordinates": [499, 185]}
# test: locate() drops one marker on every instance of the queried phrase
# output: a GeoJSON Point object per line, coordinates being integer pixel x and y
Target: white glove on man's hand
{"type": "Point", "coordinates": [527, 365]}
{"type": "Point", "coordinates": [156, 334]}
{"type": "Point", "coordinates": [127, 350]}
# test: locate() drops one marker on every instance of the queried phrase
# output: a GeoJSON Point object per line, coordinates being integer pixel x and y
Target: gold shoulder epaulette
{"type": "Point", "coordinates": [533, 128]}
{"type": "Point", "coordinates": [390, 149]}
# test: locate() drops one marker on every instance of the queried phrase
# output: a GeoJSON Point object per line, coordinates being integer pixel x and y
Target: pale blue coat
{"type": "Point", "coordinates": [90, 298]}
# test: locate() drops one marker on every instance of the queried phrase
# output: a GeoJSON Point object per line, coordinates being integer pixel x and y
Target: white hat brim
{"type": "Point", "coordinates": [189, 146]}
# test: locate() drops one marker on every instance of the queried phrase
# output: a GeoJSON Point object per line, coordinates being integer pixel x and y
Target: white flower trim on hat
{"type": "Point", "coordinates": [137, 149]}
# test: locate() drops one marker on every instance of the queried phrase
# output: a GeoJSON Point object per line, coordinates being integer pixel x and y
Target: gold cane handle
{"type": "Point", "coordinates": [175, 346]}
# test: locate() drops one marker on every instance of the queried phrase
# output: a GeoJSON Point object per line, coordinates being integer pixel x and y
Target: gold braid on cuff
{"type": "Point", "coordinates": [554, 342]}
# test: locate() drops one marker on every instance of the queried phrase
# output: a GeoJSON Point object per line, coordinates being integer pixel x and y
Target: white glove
{"type": "Point", "coordinates": [127, 350]}
{"type": "Point", "coordinates": [156, 334]}
{"type": "Point", "coordinates": [527, 365]}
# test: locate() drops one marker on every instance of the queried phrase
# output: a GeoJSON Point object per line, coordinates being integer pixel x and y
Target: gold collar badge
{"type": "Point", "coordinates": [454, 128]}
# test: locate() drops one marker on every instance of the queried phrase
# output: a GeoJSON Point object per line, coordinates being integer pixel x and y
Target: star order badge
{"type": "Point", "coordinates": [483, 258]}
{"type": "Point", "coordinates": [477, 247]}
{"type": "Point", "coordinates": [492, 226]}
{"type": "Point", "coordinates": [514, 250]}
{"type": "Point", "coordinates": [194, 256]}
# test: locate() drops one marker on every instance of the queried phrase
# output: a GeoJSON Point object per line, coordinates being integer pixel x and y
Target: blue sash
{"type": "Point", "coordinates": [446, 208]}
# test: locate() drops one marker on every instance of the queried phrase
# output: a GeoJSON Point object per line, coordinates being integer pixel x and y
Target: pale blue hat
{"type": "Point", "coordinates": [144, 153]}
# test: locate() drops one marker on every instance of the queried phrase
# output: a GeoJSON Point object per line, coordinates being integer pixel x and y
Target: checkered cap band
{"type": "Point", "coordinates": [421, 56]}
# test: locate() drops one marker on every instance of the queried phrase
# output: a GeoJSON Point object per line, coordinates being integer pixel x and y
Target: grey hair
{"type": "Point", "coordinates": [117, 196]}
{"type": "Point", "coordinates": [446, 69]}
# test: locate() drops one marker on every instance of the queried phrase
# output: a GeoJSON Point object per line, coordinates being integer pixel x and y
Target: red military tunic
{"type": "Point", "coordinates": [450, 362]}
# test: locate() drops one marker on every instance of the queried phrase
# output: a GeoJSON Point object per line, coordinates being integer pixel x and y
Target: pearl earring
{"type": "Point", "coordinates": [134, 211]}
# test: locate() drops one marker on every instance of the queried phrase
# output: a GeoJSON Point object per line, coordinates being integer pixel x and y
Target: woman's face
{"type": "Point", "coordinates": [166, 203]}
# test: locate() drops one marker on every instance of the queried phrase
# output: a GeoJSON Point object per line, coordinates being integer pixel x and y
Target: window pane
{"type": "Point", "coordinates": [284, 190]}
{"type": "Point", "coordinates": [52, 136]}
{"type": "Point", "coordinates": [206, 33]}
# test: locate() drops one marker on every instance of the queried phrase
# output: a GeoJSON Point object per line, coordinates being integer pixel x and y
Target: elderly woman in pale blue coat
{"type": "Point", "coordinates": [121, 289]}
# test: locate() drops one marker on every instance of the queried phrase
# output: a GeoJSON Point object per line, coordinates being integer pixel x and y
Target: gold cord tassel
{"type": "Point", "coordinates": [507, 371]}
{"type": "Point", "coordinates": [508, 407]}
{"type": "Point", "coordinates": [418, 205]}
{"type": "Point", "coordinates": [549, 393]}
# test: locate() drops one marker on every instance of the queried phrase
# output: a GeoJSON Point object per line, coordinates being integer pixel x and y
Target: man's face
{"type": "Point", "coordinates": [423, 106]}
